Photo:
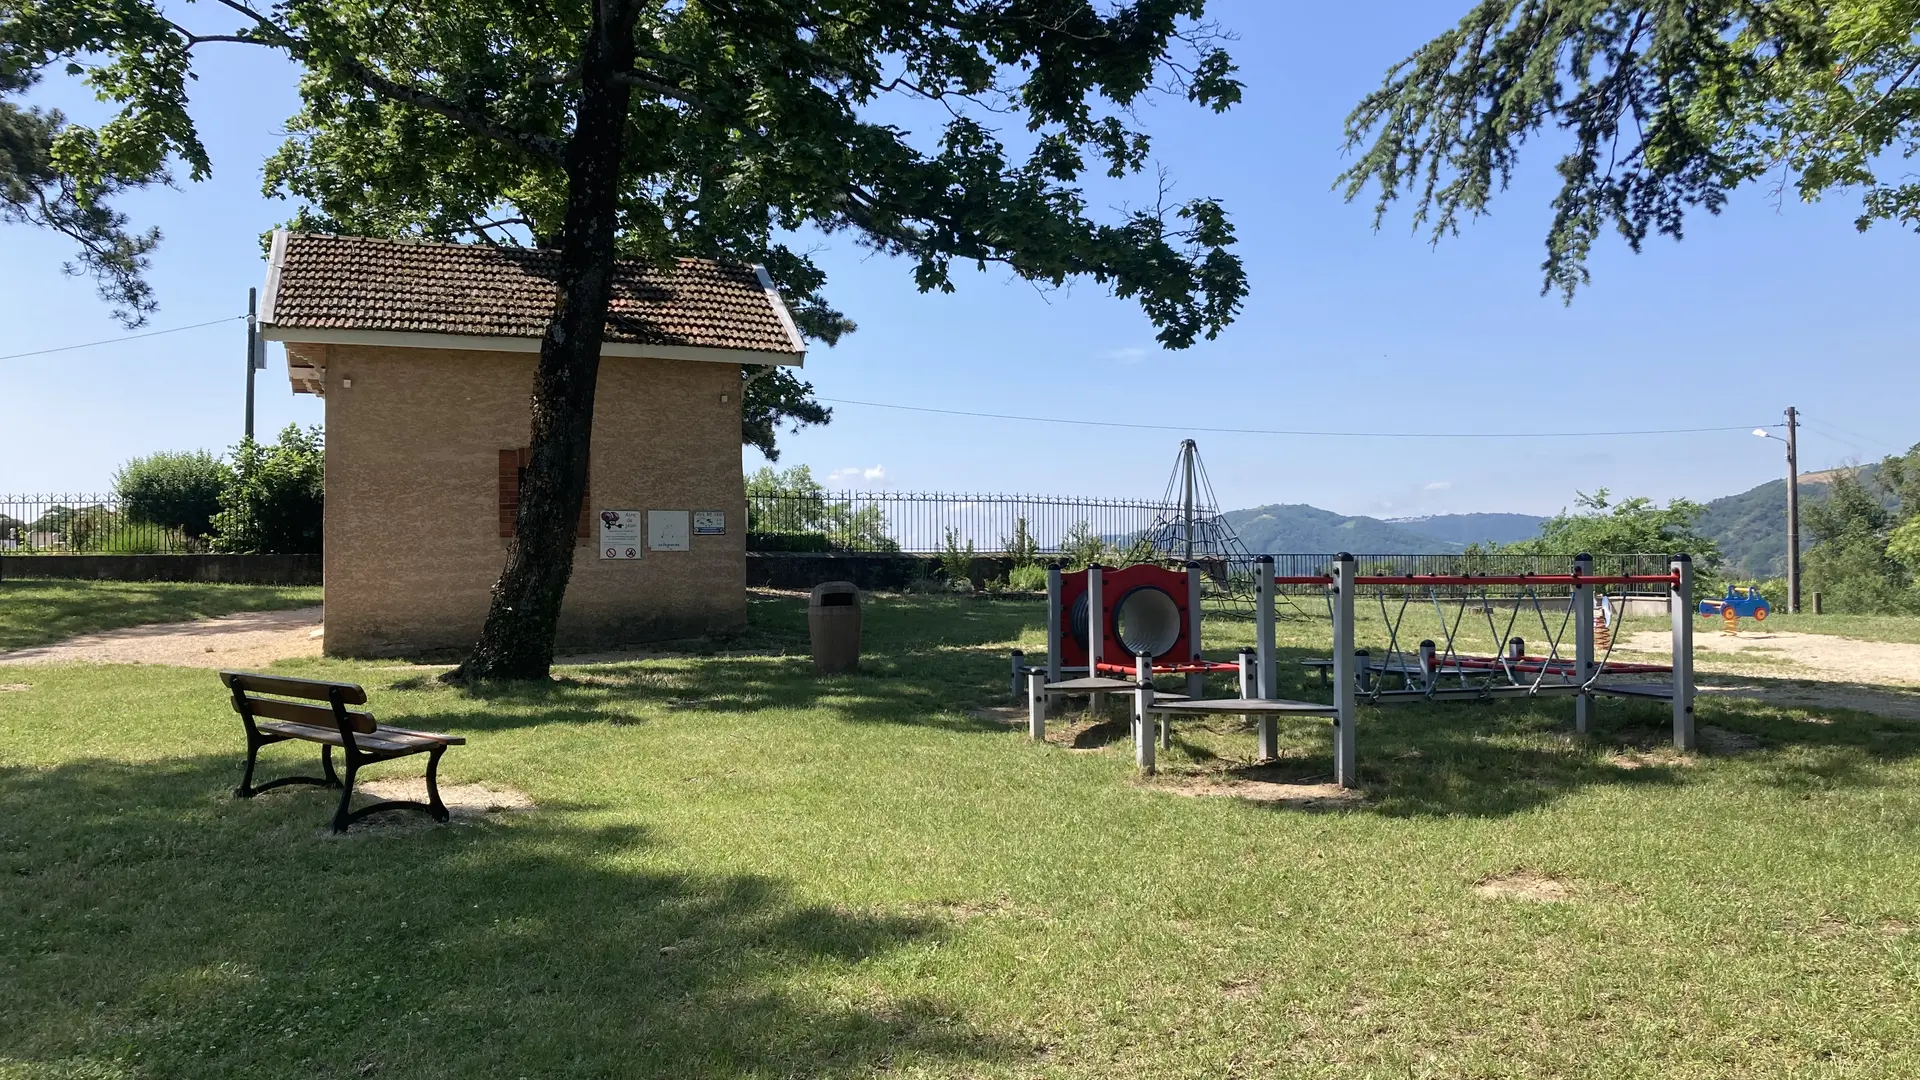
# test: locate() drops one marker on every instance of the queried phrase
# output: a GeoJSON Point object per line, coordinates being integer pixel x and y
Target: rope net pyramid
{"type": "Point", "coordinates": [1197, 532]}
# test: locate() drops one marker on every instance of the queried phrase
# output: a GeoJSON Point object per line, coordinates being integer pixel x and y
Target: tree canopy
{"type": "Point", "coordinates": [1602, 526]}
{"type": "Point", "coordinates": [1665, 107]}
{"type": "Point", "coordinates": [660, 128]}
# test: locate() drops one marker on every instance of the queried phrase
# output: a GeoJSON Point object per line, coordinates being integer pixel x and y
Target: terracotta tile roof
{"type": "Point", "coordinates": [327, 282]}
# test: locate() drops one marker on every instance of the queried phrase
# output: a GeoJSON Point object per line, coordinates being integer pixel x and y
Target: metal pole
{"type": "Point", "coordinates": [1053, 622]}
{"type": "Point", "coordinates": [1096, 635]}
{"type": "Point", "coordinates": [1187, 451]}
{"type": "Point", "coordinates": [1036, 706]}
{"type": "Point", "coordinates": [1682, 604]}
{"type": "Point", "coordinates": [1263, 600]}
{"type": "Point", "coordinates": [1196, 681]}
{"type": "Point", "coordinates": [1249, 676]}
{"type": "Point", "coordinates": [1019, 673]}
{"type": "Point", "coordinates": [253, 330]}
{"type": "Point", "coordinates": [1345, 705]}
{"type": "Point", "coordinates": [1143, 733]}
{"type": "Point", "coordinates": [1793, 510]}
{"type": "Point", "coordinates": [1582, 641]}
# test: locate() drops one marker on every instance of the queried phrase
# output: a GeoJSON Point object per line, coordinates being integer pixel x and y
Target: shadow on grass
{"type": "Point", "coordinates": [926, 661]}
{"type": "Point", "coordinates": [156, 920]}
{"type": "Point", "coordinates": [1489, 759]}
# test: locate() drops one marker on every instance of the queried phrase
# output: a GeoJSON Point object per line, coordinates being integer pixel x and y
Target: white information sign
{"type": "Point", "coordinates": [619, 534]}
{"type": "Point", "coordinates": [668, 530]}
{"type": "Point", "coordinates": [709, 523]}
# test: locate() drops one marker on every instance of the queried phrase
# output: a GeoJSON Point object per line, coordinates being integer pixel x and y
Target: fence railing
{"type": "Point", "coordinates": [73, 524]}
{"type": "Point", "coordinates": [923, 522]}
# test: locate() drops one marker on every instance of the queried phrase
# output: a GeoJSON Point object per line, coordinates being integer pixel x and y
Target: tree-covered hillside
{"type": "Point", "coordinates": [1296, 527]}
{"type": "Point", "coordinates": [1474, 528]}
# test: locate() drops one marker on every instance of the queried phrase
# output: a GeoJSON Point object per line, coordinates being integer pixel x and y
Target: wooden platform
{"type": "Point", "coordinates": [1470, 693]}
{"type": "Point", "coordinates": [1647, 690]}
{"type": "Point", "coordinates": [1092, 685]}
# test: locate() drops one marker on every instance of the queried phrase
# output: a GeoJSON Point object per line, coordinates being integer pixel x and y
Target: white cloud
{"type": "Point", "coordinates": [1132, 354]}
{"type": "Point", "coordinates": [872, 474]}
{"type": "Point", "coordinates": [1440, 485]}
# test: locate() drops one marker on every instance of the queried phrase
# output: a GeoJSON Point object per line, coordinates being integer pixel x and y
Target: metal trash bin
{"type": "Point", "coordinates": [833, 623]}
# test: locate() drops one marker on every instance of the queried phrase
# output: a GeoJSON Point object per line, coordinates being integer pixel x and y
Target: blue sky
{"type": "Point", "coordinates": [1345, 329]}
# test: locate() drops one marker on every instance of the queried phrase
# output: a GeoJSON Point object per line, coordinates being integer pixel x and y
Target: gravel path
{"type": "Point", "coordinates": [247, 639]}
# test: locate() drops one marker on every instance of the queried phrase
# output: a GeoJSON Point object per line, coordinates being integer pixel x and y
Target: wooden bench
{"type": "Point", "coordinates": [261, 701]}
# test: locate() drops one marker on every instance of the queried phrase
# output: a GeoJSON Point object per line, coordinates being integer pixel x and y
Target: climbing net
{"type": "Point", "coordinates": [1466, 635]}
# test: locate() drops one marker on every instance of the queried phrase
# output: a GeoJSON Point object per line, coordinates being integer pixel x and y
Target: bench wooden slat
{"type": "Point", "coordinates": [320, 716]}
{"type": "Point", "coordinates": [378, 742]}
{"type": "Point", "coordinates": [314, 689]}
{"type": "Point", "coordinates": [436, 736]}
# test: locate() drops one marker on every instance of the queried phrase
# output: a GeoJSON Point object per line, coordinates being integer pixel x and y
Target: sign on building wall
{"type": "Point", "coordinates": [619, 534]}
{"type": "Point", "coordinates": [709, 523]}
{"type": "Point", "coordinates": [668, 530]}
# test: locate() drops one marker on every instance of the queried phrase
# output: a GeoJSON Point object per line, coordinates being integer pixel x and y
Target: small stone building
{"type": "Point", "coordinates": [425, 354]}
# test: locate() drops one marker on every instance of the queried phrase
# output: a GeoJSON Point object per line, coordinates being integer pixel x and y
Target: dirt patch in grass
{"type": "Point", "coordinates": [1528, 885]}
{"type": "Point", "coordinates": [1723, 742]}
{"type": "Point", "coordinates": [246, 640]}
{"type": "Point", "coordinates": [1010, 715]}
{"type": "Point", "coordinates": [1272, 783]}
{"type": "Point", "coordinates": [1649, 758]}
{"type": "Point", "coordinates": [464, 801]}
{"type": "Point", "coordinates": [15, 687]}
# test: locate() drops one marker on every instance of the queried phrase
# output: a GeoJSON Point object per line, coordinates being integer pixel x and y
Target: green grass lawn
{"type": "Point", "coordinates": [1865, 627]}
{"type": "Point", "coordinates": [37, 611]}
{"type": "Point", "coordinates": [737, 869]}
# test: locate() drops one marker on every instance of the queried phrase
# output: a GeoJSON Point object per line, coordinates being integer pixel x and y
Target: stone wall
{"type": "Point", "coordinates": [235, 569]}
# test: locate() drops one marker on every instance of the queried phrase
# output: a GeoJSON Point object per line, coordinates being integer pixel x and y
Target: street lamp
{"type": "Point", "coordinates": [1793, 504]}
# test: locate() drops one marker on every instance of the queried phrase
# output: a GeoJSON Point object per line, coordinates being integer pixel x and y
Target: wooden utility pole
{"type": "Point", "coordinates": [1793, 510]}
{"type": "Point", "coordinates": [253, 343]}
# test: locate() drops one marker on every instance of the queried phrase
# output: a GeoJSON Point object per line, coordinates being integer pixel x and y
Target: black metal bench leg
{"type": "Point", "coordinates": [326, 765]}
{"type": "Point", "coordinates": [341, 816]}
{"type": "Point", "coordinates": [245, 790]}
{"type": "Point", "coordinates": [433, 784]}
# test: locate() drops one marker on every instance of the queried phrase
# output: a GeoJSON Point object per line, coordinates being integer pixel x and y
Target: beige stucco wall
{"type": "Point", "coordinates": [412, 529]}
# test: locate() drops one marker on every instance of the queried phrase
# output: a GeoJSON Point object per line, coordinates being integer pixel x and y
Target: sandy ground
{"type": "Point", "coordinates": [1816, 670]}
{"type": "Point", "coordinates": [248, 639]}
{"type": "Point", "coordinates": [1819, 656]}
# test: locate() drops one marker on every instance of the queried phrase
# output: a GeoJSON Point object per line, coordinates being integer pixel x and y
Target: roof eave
{"type": "Point", "coordinates": [401, 339]}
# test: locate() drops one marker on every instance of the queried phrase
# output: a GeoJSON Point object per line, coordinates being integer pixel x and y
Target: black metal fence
{"type": "Point", "coordinates": [84, 524]}
{"type": "Point", "coordinates": [924, 522]}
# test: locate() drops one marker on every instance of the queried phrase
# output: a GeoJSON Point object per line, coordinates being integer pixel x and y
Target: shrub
{"type": "Point", "coordinates": [1029, 577]}
{"type": "Point", "coordinates": [274, 505]}
{"type": "Point", "coordinates": [177, 491]}
{"type": "Point", "coordinates": [957, 562]}
{"type": "Point", "coordinates": [1021, 547]}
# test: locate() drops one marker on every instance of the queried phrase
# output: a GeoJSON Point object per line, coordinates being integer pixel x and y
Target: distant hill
{"type": "Point", "coordinates": [1473, 528]}
{"type": "Point", "coordinates": [1295, 527]}
{"type": "Point", "coordinates": [1751, 527]}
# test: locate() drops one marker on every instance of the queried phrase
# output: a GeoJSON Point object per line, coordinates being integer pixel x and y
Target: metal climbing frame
{"type": "Point", "coordinates": [1435, 670]}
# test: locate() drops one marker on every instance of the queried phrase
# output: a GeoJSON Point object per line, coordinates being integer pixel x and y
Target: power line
{"type": "Point", "coordinates": [1832, 428]}
{"type": "Point", "coordinates": [124, 337]}
{"type": "Point", "coordinates": [1282, 431]}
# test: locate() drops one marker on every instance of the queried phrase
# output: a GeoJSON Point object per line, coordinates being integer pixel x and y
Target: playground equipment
{"type": "Point", "coordinates": [1438, 668]}
{"type": "Point", "coordinates": [1741, 601]}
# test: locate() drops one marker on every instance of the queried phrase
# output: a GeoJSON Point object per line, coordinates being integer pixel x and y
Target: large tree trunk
{"type": "Point", "coordinates": [517, 640]}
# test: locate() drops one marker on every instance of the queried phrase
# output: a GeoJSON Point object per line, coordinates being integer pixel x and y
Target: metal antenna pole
{"type": "Point", "coordinates": [253, 331]}
{"type": "Point", "coordinates": [1793, 510]}
{"type": "Point", "coordinates": [1187, 452]}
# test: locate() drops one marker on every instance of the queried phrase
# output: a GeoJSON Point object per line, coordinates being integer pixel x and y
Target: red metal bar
{"type": "Point", "coordinates": [1304, 580]}
{"type": "Point", "coordinates": [1200, 667]}
{"type": "Point", "coordinates": [1517, 579]}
